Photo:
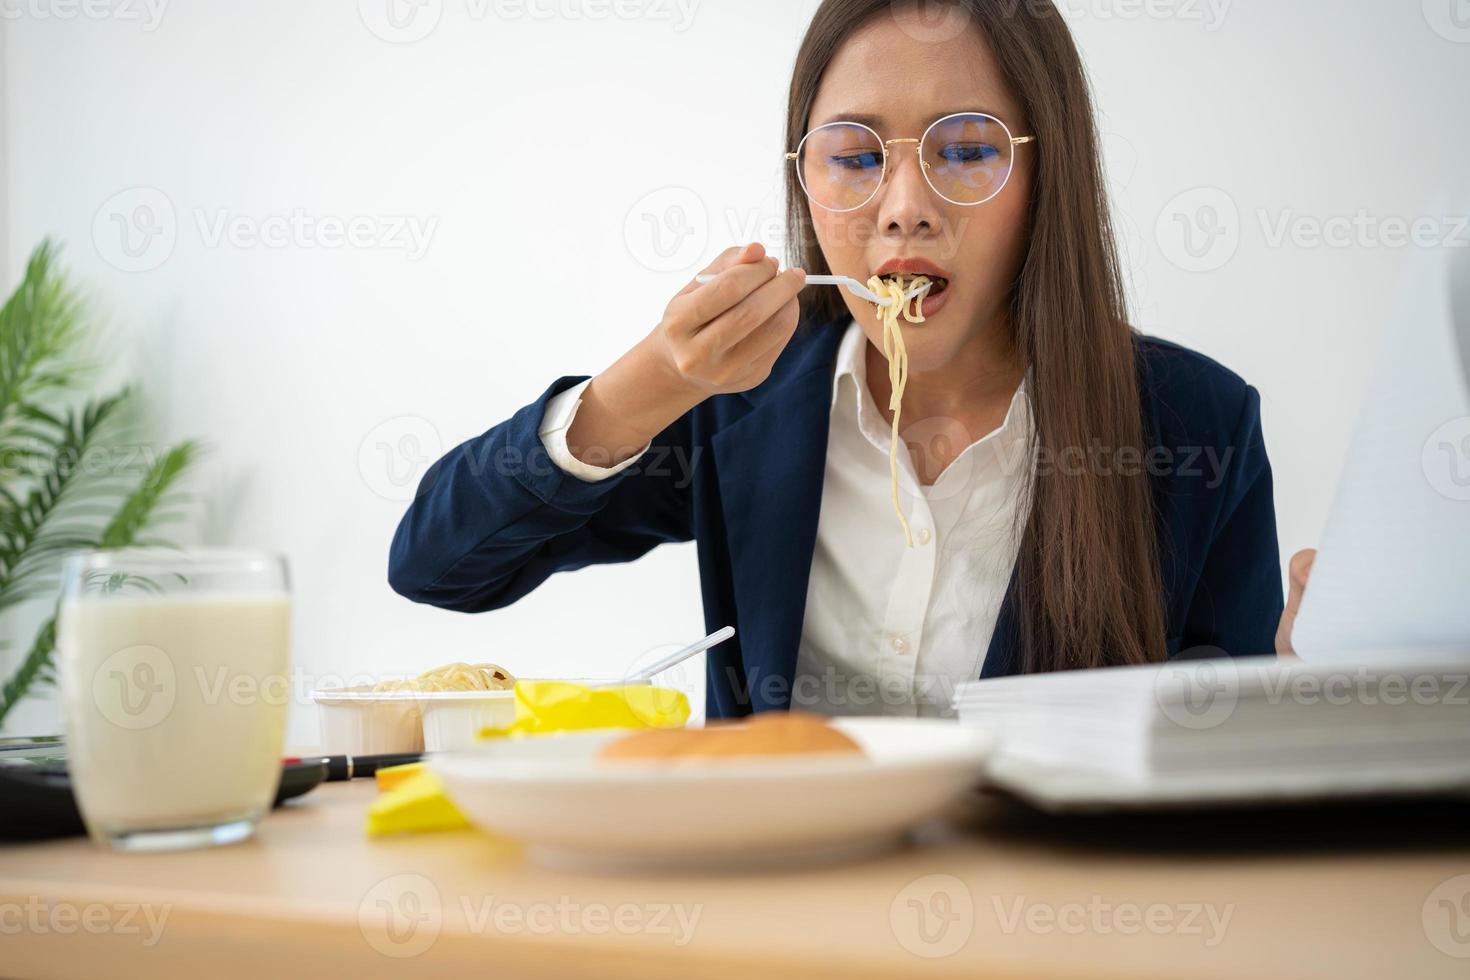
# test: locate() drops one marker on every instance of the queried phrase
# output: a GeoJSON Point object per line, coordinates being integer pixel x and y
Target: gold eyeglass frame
{"type": "Point", "coordinates": [794, 156]}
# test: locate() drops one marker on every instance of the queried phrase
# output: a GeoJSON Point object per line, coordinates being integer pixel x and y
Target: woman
{"type": "Point", "coordinates": [1074, 494]}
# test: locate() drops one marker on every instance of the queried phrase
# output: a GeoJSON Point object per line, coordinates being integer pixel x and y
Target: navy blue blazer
{"type": "Point", "coordinates": [741, 475]}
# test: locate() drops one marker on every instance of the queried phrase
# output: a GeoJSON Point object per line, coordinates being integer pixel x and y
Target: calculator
{"type": "Point", "coordinates": [36, 799]}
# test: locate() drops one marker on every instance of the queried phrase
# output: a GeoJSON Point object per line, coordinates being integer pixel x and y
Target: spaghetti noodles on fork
{"type": "Point", "coordinates": [911, 308]}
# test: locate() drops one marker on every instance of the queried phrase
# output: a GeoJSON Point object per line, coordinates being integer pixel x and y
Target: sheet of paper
{"type": "Point", "coordinates": [1393, 569]}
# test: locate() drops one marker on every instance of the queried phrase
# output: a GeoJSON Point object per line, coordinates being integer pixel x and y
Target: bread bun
{"type": "Point", "coordinates": [766, 734]}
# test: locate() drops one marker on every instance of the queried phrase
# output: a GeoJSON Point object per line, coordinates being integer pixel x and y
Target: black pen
{"type": "Point", "coordinates": [341, 767]}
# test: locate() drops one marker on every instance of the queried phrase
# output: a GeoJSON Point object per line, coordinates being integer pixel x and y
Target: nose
{"type": "Point", "coordinates": [907, 206]}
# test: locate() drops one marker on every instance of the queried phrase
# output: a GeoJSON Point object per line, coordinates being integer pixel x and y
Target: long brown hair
{"type": "Point", "coordinates": [1087, 576]}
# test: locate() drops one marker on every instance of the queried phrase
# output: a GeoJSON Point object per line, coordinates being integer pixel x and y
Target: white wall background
{"type": "Point", "coordinates": [522, 139]}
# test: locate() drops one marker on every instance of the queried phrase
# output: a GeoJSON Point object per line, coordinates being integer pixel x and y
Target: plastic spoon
{"type": "Point", "coordinates": [714, 639]}
{"type": "Point", "coordinates": [847, 282]}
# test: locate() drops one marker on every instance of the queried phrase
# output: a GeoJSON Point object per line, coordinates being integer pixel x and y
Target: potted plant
{"type": "Point", "coordinates": [69, 477]}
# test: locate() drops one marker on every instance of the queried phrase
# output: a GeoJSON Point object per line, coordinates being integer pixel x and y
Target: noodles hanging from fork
{"type": "Point", "coordinates": [895, 288]}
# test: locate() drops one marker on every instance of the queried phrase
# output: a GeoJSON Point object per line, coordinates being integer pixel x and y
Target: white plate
{"type": "Point", "coordinates": [553, 795]}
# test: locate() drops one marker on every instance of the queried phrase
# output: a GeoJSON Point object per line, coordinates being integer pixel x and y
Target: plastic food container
{"type": "Point", "coordinates": [361, 721]}
{"type": "Point", "coordinates": [454, 719]}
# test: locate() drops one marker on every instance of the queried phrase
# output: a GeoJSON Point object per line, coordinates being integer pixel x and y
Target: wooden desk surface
{"type": "Point", "coordinates": [1018, 895]}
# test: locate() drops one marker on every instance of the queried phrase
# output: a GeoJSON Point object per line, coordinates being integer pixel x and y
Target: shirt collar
{"type": "Point", "coordinates": [851, 376]}
{"type": "Point", "coordinates": [851, 362]}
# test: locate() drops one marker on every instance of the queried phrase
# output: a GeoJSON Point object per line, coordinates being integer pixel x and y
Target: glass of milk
{"type": "Point", "coordinates": [173, 678]}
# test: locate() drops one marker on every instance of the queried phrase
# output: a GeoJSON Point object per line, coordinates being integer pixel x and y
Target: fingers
{"type": "Point", "coordinates": [1298, 571]}
{"type": "Point", "coordinates": [767, 341]}
{"type": "Point", "coordinates": [734, 255]}
{"type": "Point", "coordinates": [712, 300]}
{"type": "Point", "coordinates": [737, 323]}
{"type": "Point", "coordinates": [725, 334]}
{"type": "Point", "coordinates": [1300, 568]}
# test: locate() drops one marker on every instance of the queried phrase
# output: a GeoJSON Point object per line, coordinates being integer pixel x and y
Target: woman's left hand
{"type": "Point", "coordinates": [1301, 567]}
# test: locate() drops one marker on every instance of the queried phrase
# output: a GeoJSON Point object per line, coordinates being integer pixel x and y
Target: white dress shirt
{"type": "Point", "coordinates": [890, 629]}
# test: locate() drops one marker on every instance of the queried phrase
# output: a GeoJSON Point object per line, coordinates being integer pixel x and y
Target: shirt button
{"type": "Point", "coordinates": [924, 535]}
{"type": "Point", "coordinates": [900, 645]}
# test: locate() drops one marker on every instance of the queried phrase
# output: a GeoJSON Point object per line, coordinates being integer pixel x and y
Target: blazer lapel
{"type": "Point", "coordinates": [770, 465]}
{"type": "Point", "coordinates": [1000, 658]}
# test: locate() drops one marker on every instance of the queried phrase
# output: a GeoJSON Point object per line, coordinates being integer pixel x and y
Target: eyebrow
{"type": "Point", "coordinates": [875, 122]}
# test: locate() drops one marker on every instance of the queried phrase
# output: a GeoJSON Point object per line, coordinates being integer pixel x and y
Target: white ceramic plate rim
{"type": "Point", "coordinates": [964, 747]}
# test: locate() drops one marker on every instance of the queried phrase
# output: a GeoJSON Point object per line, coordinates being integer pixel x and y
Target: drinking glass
{"type": "Point", "coordinates": [173, 677]}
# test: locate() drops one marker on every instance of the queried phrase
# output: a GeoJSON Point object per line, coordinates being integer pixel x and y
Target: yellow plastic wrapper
{"type": "Point", "coordinates": [413, 798]}
{"type": "Point", "coordinates": [417, 803]}
{"type": "Point", "coordinates": [558, 706]}
{"type": "Point", "coordinates": [390, 776]}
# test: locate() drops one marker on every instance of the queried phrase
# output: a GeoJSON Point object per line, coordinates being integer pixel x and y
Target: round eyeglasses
{"type": "Point", "coordinates": [966, 158]}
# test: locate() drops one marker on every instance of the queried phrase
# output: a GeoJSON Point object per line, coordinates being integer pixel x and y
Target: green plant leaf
{"type": "Point", "coordinates": [52, 499]}
{"type": "Point", "coordinates": [25, 527]}
{"type": "Point", "coordinates": [40, 326]}
{"type": "Point", "coordinates": [132, 516]}
{"type": "Point", "coordinates": [139, 505]}
{"type": "Point", "coordinates": [34, 671]}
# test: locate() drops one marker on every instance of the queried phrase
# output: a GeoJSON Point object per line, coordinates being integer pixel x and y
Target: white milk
{"type": "Point", "coordinates": [175, 707]}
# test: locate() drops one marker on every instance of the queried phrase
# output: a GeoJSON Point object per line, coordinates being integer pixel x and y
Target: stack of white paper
{"type": "Point", "coordinates": [1247, 728]}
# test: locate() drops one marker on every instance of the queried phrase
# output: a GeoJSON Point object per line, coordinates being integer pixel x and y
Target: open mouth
{"type": "Point", "coordinates": [932, 300]}
{"type": "Point", "coordinates": [907, 280]}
